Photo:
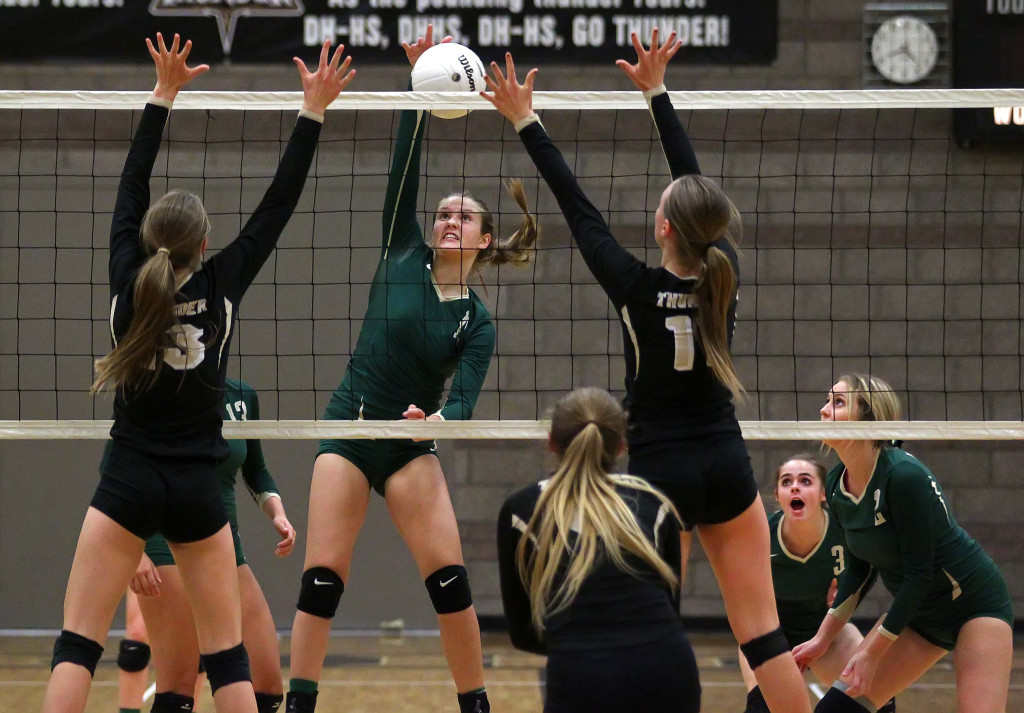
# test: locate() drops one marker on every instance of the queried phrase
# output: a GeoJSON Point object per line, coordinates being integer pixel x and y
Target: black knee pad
{"type": "Point", "coordinates": [268, 702]}
{"type": "Point", "coordinates": [132, 656]}
{"type": "Point", "coordinates": [835, 701]}
{"type": "Point", "coordinates": [765, 648]}
{"type": "Point", "coordinates": [168, 702]}
{"type": "Point", "coordinates": [321, 591]}
{"type": "Point", "coordinates": [756, 702]}
{"type": "Point", "coordinates": [74, 648]}
{"type": "Point", "coordinates": [227, 667]}
{"type": "Point", "coordinates": [449, 589]}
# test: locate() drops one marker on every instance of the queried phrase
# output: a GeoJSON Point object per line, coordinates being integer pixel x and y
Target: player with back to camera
{"type": "Point", "coordinates": [677, 321]}
{"type": "Point", "coordinates": [948, 594]}
{"type": "Point", "coordinates": [589, 565]}
{"type": "Point", "coordinates": [808, 553]}
{"type": "Point", "coordinates": [423, 325]}
{"type": "Point", "coordinates": [172, 317]}
{"type": "Point", "coordinates": [162, 598]}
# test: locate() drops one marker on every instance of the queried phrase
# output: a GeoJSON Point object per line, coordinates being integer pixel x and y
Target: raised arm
{"type": "Point", "coordinates": [648, 74]}
{"type": "Point", "coordinates": [400, 226]}
{"type": "Point", "coordinates": [172, 73]}
{"type": "Point", "coordinates": [247, 253]}
{"type": "Point", "coordinates": [614, 267]}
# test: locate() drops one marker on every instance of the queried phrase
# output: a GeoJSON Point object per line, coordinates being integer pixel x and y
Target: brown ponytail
{"type": "Point", "coordinates": [173, 231]}
{"type": "Point", "coordinates": [701, 215]}
{"type": "Point", "coordinates": [517, 249]}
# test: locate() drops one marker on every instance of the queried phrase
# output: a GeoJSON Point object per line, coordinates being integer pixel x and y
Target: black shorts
{"type": "Point", "coordinates": [179, 498]}
{"type": "Point", "coordinates": [708, 478]}
{"type": "Point", "coordinates": [658, 677]}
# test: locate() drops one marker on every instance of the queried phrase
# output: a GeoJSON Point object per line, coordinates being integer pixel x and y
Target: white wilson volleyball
{"type": "Point", "coordinates": [448, 67]}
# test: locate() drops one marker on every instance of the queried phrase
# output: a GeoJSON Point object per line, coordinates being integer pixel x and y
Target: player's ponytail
{"type": "Point", "coordinates": [517, 249]}
{"type": "Point", "coordinates": [580, 514]}
{"type": "Point", "coordinates": [173, 231]}
{"type": "Point", "coordinates": [701, 216]}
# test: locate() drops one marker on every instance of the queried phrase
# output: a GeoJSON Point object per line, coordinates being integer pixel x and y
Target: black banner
{"type": "Point", "coordinates": [988, 46]}
{"type": "Point", "coordinates": [552, 31]}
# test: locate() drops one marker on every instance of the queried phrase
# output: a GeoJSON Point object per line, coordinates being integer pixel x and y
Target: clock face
{"type": "Point", "coordinates": [904, 49]}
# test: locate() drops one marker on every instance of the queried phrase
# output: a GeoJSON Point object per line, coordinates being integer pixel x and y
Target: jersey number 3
{"type": "Point", "coordinates": [188, 350]}
{"type": "Point", "coordinates": [681, 327]}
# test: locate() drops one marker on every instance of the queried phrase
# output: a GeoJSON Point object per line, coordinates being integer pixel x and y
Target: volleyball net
{"type": "Point", "coordinates": [872, 242]}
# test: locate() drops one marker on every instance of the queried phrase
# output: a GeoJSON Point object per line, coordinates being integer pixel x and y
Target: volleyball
{"type": "Point", "coordinates": [448, 67]}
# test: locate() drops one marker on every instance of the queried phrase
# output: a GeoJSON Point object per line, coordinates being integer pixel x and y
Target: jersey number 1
{"type": "Point", "coordinates": [681, 327]}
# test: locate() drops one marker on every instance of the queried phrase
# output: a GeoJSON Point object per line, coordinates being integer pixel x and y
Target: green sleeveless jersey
{"type": "Point", "coordinates": [412, 339]}
{"type": "Point", "coordinates": [802, 583]}
{"type": "Point", "coordinates": [902, 527]}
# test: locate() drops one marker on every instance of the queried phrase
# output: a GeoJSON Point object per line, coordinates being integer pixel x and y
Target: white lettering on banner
{"type": "Point", "coordinates": [354, 31]}
{"type": "Point", "coordinates": [68, 3]}
{"type": "Point", "coordinates": [411, 27]}
{"type": "Point", "coordinates": [588, 30]}
{"type": "Point", "coordinates": [515, 6]}
{"type": "Point", "coordinates": [19, 3]}
{"type": "Point", "coordinates": [1004, 7]}
{"type": "Point", "coordinates": [344, 5]}
{"type": "Point", "coordinates": [577, 4]}
{"type": "Point", "coordinates": [494, 30]}
{"type": "Point", "coordinates": [541, 31]}
{"type": "Point", "coordinates": [1004, 115]}
{"type": "Point", "coordinates": [384, 4]}
{"type": "Point", "coordinates": [692, 31]}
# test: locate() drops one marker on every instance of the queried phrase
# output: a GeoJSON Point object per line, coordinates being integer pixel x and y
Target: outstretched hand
{"type": "Point", "coordinates": [421, 45]}
{"type": "Point", "coordinates": [323, 86]}
{"type": "Point", "coordinates": [171, 71]}
{"type": "Point", "coordinates": [415, 413]}
{"type": "Point", "coordinates": [649, 70]}
{"type": "Point", "coordinates": [512, 99]}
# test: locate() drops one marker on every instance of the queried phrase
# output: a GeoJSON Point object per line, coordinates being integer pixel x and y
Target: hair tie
{"type": "Point", "coordinates": [164, 250]}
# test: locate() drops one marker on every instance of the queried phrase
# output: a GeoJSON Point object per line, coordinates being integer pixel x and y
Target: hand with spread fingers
{"type": "Point", "coordinates": [415, 50]}
{"type": "Point", "coordinates": [649, 70]}
{"type": "Point", "coordinates": [323, 86]}
{"type": "Point", "coordinates": [171, 71]}
{"type": "Point", "coordinates": [512, 99]}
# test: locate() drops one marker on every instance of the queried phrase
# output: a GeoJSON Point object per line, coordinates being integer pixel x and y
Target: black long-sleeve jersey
{"type": "Point", "coordinates": [668, 380]}
{"type": "Point", "coordinates": [613, 608]}
{"type": "Point", "coordinates": [181, 415]}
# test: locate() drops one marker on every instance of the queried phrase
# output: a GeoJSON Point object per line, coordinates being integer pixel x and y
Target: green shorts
{"type": "Point", "coordinates": [985, 595]}
{"type": "Point", "coordinates": [158, 551]}
{"type": "Point", "coordinates": [378, 460]}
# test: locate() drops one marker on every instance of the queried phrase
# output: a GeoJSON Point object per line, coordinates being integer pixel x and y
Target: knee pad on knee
{"type": "Point", "coordinates": [268, 702]}
{"type": "Point", "coordinates": [449, 589]}
{"type": "Point", "coordinates": [226, 667]}
{"type": "Point", "coordinates": [321, 591]}
{"type": "Point", "coordinates": [74, 648]}
{"type": "Point", "coordinates": [756, 702]}
{"type": "Point", "coordinates": [765, 648]}
{"type": "Point", "coordinates": [835, 701]}
{"type": "Point", "coordinates": [168, 702]}
{"type": "Point", "coordinates": [133, 656]}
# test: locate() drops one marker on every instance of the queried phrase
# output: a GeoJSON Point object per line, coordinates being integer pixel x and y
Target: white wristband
{"type": "Point", "coordinates": [165, 103]}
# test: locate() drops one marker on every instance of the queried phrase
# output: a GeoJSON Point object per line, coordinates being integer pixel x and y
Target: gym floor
{"type": "Point", "coordinates": [407, 673]}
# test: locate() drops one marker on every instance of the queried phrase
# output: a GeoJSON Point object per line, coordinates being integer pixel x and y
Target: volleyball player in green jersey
{"type": "Point", "coordinates": [948, 595]}
{"type": "Point", "coordinates": [808, 553]}
{"type": "Point", "coordinates": [165, 608]}
{"type": "Point", "coordinates": [423, 325]}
